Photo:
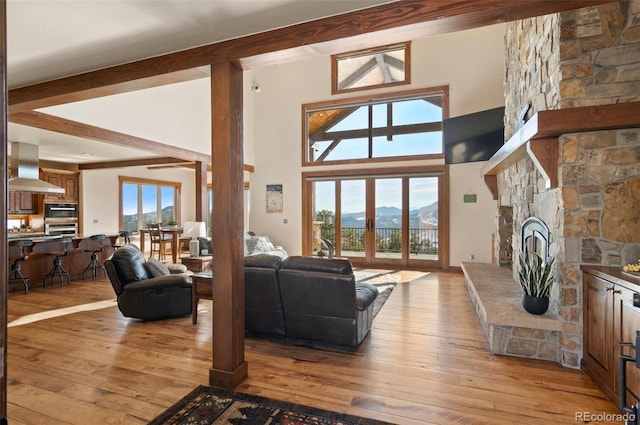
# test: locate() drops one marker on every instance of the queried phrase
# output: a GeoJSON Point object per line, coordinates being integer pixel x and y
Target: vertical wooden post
{"type": "Point", "coordinates": [202, 201]}
{"type": "Point", "coordinates": [229, 366]}
{"type": "Point", "coordinates": [4, 289]}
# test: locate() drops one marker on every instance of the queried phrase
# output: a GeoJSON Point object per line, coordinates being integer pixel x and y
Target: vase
{"type": "Point", "coordinates": [535, 305]}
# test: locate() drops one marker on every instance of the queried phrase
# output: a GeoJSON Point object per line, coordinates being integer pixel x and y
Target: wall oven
{"type": "Point", "coordinates": [60, 218]}
{"type": "Point", "coordinates": [61, 210]}
{"type": "Point", "coordinates": [60, 228]}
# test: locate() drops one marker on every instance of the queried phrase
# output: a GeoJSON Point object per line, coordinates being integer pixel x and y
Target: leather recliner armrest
{"type": "Point", "coordinates": [365, 295]}
{"type": "Point", "coordinates": [157, 282]}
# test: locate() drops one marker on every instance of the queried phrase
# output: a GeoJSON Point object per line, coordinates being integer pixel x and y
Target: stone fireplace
{"type": "Point", "coordinates": [581, 58]}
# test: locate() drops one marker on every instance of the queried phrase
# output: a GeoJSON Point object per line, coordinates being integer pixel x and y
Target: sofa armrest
{"type": "Point", "coordinates": [365, 295]}
{"type": "Point", "coordinates": [158, 282]}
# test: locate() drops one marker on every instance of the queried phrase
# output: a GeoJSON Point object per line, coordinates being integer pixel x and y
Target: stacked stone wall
{"type": "Point", "coordinates": [590, 56]}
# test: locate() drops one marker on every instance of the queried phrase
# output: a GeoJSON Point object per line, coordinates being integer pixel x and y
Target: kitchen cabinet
{"type": "Point", "coordinates": [67, 180]}
{"type": "Point", "coordinates": [22, 203]}
{"type": "Point", "coordinates": [610, 319]}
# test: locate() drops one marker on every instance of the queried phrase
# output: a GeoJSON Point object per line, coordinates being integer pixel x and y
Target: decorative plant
{"type": "Point", "coordinates": [172, 222]}
{"type": "Point", "coordinates": [321, 253]}
{"type": "Point", "coordinates": [535, 275]}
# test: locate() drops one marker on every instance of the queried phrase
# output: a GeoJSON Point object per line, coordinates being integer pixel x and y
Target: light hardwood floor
{"type": "Point", "coordinates": [425, 362]}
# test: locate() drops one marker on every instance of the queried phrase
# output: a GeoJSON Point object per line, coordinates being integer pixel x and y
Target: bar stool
{"type": "Point", "coordinates": [16, 267]}
{"type": "Point", "coordinates": [126, 236]}
{"type": "Point", "coordinates": [57, 269]}
{"type": "Point", "coordinates": [95, 265]}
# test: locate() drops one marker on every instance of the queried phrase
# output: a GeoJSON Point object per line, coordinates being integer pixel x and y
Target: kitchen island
{"type": "Point", "coordinates": [38, 262]}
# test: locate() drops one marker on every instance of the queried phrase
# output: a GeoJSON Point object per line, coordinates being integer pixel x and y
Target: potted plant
{"type": "Point", "coordinates": [172, 223]}
{"type": "Point", "coordinates": [535, 276]}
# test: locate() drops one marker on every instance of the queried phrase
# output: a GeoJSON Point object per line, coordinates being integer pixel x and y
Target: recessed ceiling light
{"type": "Point", "coordinates": [87, 153]}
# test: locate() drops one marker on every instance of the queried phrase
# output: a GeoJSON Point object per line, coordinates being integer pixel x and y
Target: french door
{"type": "Point", "coordinates": [383, 219]}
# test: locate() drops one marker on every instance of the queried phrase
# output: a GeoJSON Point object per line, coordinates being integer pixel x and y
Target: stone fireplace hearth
{"type": "Point", "coordinates": [509, 329]}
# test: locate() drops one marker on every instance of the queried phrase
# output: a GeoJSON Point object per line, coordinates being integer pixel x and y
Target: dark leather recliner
{"type": "Point", "coordinates": [146, 290]}
{"type": "Point", "coordinates": [263, 303]}
{"type": "Point", "coordinates": [322, 302]}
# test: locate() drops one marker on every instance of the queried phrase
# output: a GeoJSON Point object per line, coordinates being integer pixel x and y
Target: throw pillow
{"type": "Point", "coordinates": [156, 268]}
{"type": "Point", "coordinates": [258, 244]}
{"type": "Point", "coordinates": [247, 238]}
{"type": "Point", "coordinates": [253, 245]}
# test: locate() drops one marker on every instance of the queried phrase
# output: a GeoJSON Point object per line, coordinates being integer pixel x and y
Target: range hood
{"type": "Point", "coordinates": [24, 165]}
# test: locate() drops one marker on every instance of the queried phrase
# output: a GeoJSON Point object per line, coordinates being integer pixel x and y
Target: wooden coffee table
{"type": "Point", "coordinates": [201, 287]}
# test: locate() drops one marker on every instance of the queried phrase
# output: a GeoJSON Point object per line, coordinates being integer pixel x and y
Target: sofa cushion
{"type": "Point", "coordinates": [156, 268]}
{"type": "Point", "coordinates": [130, 263]}
{"type": "Point", "coordinates": [323, 265]}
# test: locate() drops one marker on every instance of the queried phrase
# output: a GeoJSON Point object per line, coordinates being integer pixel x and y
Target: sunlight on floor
{"type": "Point", "coordinates": [30, 318]}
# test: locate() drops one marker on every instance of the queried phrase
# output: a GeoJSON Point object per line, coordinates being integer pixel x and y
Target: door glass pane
{"type": "Point", "coordinates": [150, 204]}
{"type": "Point", "coordinates": [423, 218]}
{"type": "Point", "coordinates": [130, 207]}
{"type": "Point", "coordinates": [388, 218]}
{"type": "Point", "coordinates": [324, 212]}
{"type": "Point", "coordinates": [353, 218]}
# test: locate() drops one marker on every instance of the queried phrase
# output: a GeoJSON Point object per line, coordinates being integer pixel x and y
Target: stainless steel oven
{"type": "Point", "coordinates": [59, 228]}
{"type": "Point", "coordinates": [61, 210]}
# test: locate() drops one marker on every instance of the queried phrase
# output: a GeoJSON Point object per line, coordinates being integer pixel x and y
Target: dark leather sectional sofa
{"type": "Point", "coordinates": [307, 298]}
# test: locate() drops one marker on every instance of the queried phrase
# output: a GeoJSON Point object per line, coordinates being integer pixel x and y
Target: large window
{"type": "Point", "coordinates": [145, 201]}
{"type": "Point", "coordinates": [402, 125]}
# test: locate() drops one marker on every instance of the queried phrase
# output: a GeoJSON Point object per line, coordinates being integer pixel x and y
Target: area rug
{"type": "Point", "coordinates": [207, 405]}
{"type": "Point", "coordinates": [384, 281]}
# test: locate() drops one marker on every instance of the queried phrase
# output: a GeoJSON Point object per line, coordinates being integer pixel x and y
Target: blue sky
{"type": "Point", "coordinates": [424, 191]}
{"type": "Point", "coordinates": [414, 111]}
{"type": "Point", "coordinates": [149, 197]}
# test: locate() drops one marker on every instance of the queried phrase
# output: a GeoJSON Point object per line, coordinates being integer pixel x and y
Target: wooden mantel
{"type": "Point", "coordinates": [538, 138]}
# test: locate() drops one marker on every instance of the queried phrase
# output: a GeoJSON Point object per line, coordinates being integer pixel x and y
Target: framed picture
{"type": "Point", "coordinates": [274, 198]}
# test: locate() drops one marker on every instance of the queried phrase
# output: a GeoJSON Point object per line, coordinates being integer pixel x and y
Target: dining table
{"type": "Point", "coordinates": [175, 233]}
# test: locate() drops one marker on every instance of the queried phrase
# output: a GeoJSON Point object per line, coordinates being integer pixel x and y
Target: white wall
{"type": "Point", "coordinates": [100, 193]}
{"type": "Point", "coordinates": [470, 62]}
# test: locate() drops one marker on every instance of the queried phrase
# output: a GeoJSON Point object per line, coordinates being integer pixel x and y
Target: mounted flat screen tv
{"type": "Point", "coordinates": [473, 137]}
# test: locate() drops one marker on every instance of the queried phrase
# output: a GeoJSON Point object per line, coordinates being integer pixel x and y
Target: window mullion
{"type": "Point", "coordinates": [390, 129]}
{"type": "Point", "coordinates": [370, 130]}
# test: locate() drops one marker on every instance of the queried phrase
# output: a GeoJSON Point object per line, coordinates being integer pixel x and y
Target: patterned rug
{"type": "Point", "coordinates": [384, 281]}
{"type": "Point", "coordinates": [207, 405]}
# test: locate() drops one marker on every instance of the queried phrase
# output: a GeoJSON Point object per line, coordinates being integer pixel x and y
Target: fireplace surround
{"type": "Point", "coordinates": [582, 180]}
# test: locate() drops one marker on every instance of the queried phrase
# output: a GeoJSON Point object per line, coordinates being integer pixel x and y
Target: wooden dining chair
{"type": "Point", "coordinates": [159, 240]}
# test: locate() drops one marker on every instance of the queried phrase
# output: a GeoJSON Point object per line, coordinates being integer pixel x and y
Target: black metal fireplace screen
{"type": "Point", "coordinates": [535, 237]}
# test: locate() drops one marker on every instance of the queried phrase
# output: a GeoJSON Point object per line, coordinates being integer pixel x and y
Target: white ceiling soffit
{"type": "Point", "coordinates": [69, 149]}
{"type": "Point", "coordinates": [176, 114]}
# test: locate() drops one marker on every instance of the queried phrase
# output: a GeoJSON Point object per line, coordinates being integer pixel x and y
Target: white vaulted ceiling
{"type": "Point", "coordinates": [50, 39]}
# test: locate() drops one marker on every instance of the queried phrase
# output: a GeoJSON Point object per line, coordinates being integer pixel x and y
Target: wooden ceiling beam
{"type": "Point", "coordinates": [133, 163]}
{"type": "Point", "coordinates": [391, 22]}
{"type": "Point", "coordinates": [78, 129]}
{"type": "Point", "coordinates": [91, 85]}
